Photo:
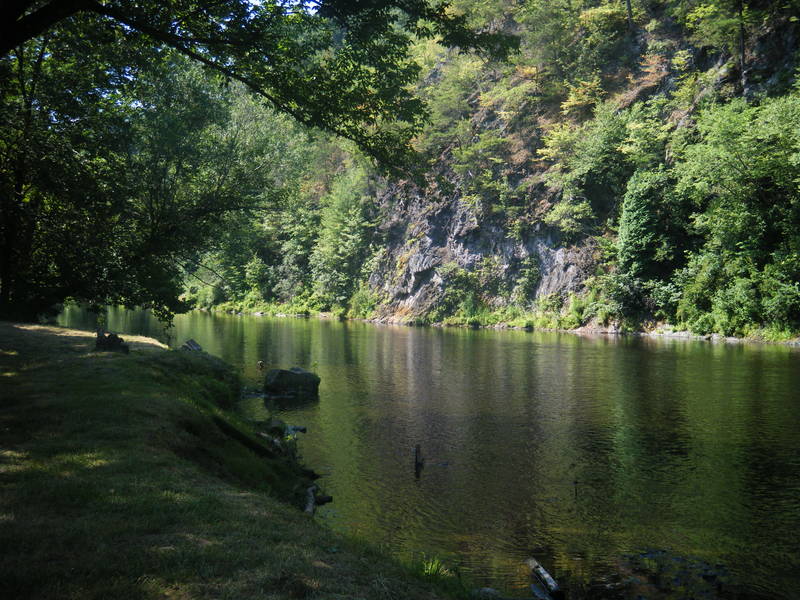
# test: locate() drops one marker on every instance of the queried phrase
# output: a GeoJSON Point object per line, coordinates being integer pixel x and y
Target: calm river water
{"type": "Point", "coordinates": [670, 468]}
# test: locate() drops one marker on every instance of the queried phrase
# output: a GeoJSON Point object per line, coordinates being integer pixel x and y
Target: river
{"type": "Point", "coordinates": [657, 467]}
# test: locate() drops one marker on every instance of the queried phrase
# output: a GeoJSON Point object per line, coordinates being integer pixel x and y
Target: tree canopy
{"type": "Point", "coordinates": [342, 65]}
{"type": "Point", "coordinates": [120, 160]}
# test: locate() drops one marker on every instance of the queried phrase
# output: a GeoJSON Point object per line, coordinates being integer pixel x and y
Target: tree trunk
{"type": "Point", "coordinates": [630, 14]}
{"type": "Point", "coordinates": [8, 233]}
{"type": "Point", "coordinates": [17, 27]}
{"type": "Point", "coordinates": [741, 44]}
{"type": "Point", "coordinates": [16, 226]}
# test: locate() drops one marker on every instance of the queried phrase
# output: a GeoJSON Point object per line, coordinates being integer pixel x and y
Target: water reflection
{"type": "Point", "coordinates": [578, 451]}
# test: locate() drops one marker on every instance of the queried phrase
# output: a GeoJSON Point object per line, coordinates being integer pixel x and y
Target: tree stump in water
{"type": "Point", "coordinates": [419, 461]}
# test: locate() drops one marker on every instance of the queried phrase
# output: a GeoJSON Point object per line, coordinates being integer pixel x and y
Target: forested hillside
{"type": "Point", "coordinates": [633, 163]}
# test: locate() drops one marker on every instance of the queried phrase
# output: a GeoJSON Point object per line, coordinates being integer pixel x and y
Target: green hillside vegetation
{"type": "Point", "coordinates": [639, 133]}
{"type": "Point", "coordinates": [659, 136]}
{"type": "Point", "coordinates": [119, 480]}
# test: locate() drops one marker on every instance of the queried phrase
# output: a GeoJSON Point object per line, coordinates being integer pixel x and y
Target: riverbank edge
{"type": "Point", "coordinates": [658, 331]}
{"type": "Point", "coordinates": [118, 481]}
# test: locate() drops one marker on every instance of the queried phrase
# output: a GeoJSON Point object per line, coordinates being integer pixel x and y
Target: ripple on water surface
{"type": "Point", "coordinates": [654, 465]}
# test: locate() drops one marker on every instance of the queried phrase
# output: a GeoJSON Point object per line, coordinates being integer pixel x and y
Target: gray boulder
{"type": "Point", "coordinates": [291, 383]}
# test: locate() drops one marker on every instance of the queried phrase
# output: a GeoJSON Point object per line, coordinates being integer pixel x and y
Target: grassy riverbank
{"type": "Point", "coordinates": [117, 479]}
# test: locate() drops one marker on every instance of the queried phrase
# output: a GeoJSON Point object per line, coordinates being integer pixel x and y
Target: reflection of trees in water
{"type": "Point", "coordinates": [679, 445]}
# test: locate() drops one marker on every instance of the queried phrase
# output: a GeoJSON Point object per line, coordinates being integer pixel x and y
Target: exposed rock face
{"type": "Point", "coordinates": [429, 232]}
{"type": "Point", "coordinates": [291, 383]}
{"type": "Point", "coordinates": [427, 235]}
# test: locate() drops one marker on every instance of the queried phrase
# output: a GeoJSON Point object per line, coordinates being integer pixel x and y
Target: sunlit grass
{"type": "Point", "coordinates": [434, 571]}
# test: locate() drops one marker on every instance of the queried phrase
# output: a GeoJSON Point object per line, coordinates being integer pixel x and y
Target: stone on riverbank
{"type": "Point", "coordinates": [110, 342]}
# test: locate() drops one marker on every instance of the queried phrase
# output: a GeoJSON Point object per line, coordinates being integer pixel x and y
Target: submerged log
{"type": "Point", "coordinates": [547, 580]}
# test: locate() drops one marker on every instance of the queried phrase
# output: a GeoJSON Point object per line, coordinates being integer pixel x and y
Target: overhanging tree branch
{"type": "Point", "coordinates": [179, 44]}
{"type": "Point", "coordinates": [356, 88]}
{"type": "Point", "coordinates": [18, 27]}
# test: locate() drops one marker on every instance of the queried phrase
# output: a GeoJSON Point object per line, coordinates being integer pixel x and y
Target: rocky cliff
{"type": "Point", "coordinates": [451, 235]}
{"type": "Point", "coordinates": [432, 236]}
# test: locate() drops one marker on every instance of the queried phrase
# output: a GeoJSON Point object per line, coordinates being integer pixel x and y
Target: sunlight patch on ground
{"type": "Point", "coordinates": [88, 460]}
{"type": "Point", "coordinates": [200, 541]}
{"type": "Point", "coordinates": [12, 461]}
{"type": "Point", "coordinates": [83, 340]}
{"type": "Point", "coordinates": [176, 496]}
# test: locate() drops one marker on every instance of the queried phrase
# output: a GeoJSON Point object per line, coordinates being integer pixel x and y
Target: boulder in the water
{"type": "Point", "coordinates": [291, 383]}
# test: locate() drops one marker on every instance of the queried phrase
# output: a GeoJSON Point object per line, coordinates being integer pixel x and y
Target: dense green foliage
{"type": "Point", "coordinates": [669, 140]}
{"type": "Point", "coordinates": [335, 64]}
{"type": "Point", "coordinates": [660, 136]}
{"type": "Point", "coordinates": [111, 180]}
{"type": "Point", "coordinates": [641, 134]}
{"type": "Point", "coordinates": [120, 158]}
